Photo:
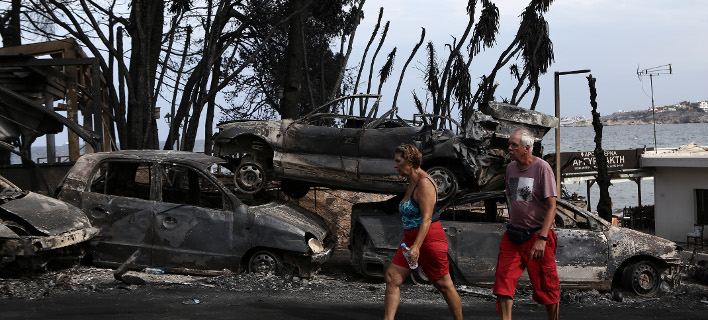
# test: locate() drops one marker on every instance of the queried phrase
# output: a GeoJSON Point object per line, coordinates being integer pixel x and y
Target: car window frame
{"type": "Point", "coordinates": [97, 166]}
{"type": "Point", "coordinates": [227, 196]}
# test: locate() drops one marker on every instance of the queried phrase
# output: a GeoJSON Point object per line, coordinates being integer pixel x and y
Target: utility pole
{"type": "Point", "coordinates": [651, 72]}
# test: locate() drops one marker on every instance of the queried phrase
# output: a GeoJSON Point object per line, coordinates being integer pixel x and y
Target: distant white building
{"type": "Point", "coordinates": [680, 189]}
{"type": "Point", "coordinates": [703, 105]}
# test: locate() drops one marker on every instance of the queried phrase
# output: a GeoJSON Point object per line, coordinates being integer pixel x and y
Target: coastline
{"type": "Point", "coordinates": [646, 117]}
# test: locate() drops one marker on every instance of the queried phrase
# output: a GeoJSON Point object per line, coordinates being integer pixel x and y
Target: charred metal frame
{"type": "Point", "coordinates": [94, 138]}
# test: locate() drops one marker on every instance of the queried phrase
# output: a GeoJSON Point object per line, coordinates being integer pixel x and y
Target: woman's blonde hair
{"type": "Point", "coordinates": [411, 154]}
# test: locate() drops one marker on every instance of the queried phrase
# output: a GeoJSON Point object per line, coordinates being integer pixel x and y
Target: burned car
{"type": "Point", "coordinates": [36, 229]}
{"type": "Point", "coordinates": [592, 253]}
{"type": "Point", "coordinates": [169, 210]}
{"type": "Point", "coordinates": [355, 153]}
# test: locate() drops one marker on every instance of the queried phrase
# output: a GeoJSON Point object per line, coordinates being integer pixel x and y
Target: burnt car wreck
{"type": "Point", "coordinates": [354, 153]}
{"type": "Point", "coordinates": [36, 229]}
{"type": "Point", "coordinates": [166, 209]}
{"type": "Point", "coordinates": [592, 253]}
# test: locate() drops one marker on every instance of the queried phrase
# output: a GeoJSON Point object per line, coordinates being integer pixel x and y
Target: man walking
{"type": "Point", "coordinates": [529, 241]}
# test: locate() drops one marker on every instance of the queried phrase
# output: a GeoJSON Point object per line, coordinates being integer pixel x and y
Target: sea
{"type": "Point", "coordinates": [624, 193]}
{"type": "Point", "coordinates": [573, 139]}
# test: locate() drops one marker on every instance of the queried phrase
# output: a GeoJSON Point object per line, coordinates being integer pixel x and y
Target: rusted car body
{"type": "Point", "coordinates": [35, 229]}
{"type": "Point", "coordinates": [355, 153]}
{"type": "Point", "coordinates": [592, 253]}
{"type": "Point", "coordinates": [170, 209]}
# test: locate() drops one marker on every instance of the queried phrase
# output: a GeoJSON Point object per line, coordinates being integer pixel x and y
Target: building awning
{"type": "Point", "coordinates": [688, 156]}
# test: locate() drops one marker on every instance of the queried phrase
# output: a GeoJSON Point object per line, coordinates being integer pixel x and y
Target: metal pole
{"type": "Point", "coordinates": [653, 111]}
{"type": "Point", "coordinates": [556, 81]}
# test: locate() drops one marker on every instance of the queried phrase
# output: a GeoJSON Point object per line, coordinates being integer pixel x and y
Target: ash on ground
{"type": "Point", "coordinates": [334, 286]}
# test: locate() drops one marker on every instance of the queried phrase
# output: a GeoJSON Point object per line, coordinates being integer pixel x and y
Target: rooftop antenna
{"type": "Point", "coordinates": [651, 72]}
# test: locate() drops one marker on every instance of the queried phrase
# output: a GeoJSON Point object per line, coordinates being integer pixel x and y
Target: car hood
{"type": "Point", "coordinates": [289, 216]}
{"type": "Point", "coordinates": [47, 215]}
{"type": "Point", "coordinates": [628, 242]}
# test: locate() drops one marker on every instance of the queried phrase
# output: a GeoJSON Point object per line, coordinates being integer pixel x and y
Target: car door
{"type": "Point", "coordinates": [118, 203]}
{"type": "Point", "coordinates": [376, 149]}
{"type": "Point", "coordinates": [583, 252]}
{"type": "Point", "coordinates": [194, 226]}
{"type": "Point", "coordinates": [474, 237]}
{"type": "Point", "coordinates": [313, 151]}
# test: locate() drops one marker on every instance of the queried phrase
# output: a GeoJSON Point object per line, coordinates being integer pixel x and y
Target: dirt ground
{"type": "Point", "coordinates": [335, 206]}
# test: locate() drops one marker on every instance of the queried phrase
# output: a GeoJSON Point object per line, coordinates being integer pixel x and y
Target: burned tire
{"type": "Point", "coordinates": [446, 181]}
{"type": "Point", "coordinates": [250, 176]}
{"type": "Point", "coordinates": [265, 262]}
{"type": "Point", "coordinates": [294, 189]}
{"type": "Point", "coordinates": [642, 278]}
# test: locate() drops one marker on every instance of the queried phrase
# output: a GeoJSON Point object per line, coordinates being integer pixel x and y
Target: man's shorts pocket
{"type": "Point", "coordinates": [549, 279]}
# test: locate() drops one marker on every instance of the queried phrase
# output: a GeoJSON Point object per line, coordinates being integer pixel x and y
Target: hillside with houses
{"type": "Point", "coordinates": [682, 112]}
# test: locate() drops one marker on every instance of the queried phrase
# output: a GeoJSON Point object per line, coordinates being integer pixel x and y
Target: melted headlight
{"type": "Point", "coordinates": [315, 245]}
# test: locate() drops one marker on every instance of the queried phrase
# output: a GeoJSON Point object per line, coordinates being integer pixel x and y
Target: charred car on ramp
{"type": "Point", "coordinates": [591, 253]}
{"type": "Point", "coordinates": [355, 153]}
{"type": "Point", "coordinates": [169, 210]}
{"type": "Point", "coordinates": [36, 229]}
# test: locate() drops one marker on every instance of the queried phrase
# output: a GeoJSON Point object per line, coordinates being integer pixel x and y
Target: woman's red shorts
{"type": "Point", "coordinates": [433, 252]}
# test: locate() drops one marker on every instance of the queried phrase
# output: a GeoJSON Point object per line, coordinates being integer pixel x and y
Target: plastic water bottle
{"type": "Point", "coordinates": [153, 271]}
{"type": "Point", "coordinates": [407, 254]}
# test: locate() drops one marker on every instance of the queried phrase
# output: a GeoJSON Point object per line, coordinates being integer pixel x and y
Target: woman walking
{"type": "Point", "coordinates": [423, 234]}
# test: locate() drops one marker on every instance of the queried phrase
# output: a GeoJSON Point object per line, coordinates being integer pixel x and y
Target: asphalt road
{"type": "Point", "coordinates": [173, 303]}
{"type": "Point", "coordinates": [92, 293]}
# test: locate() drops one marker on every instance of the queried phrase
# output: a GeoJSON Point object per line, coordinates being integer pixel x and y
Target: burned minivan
{"type": "Point", "coordinates": [591, 253]}
{"type": "Point", "coordinates": [170, 211]}
{"type": "Point", "coordinates": [331, 148]}
{"type": "Point", "coordinates": [36, 229]}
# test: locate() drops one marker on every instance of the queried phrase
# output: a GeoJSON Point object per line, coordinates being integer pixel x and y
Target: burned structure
{"type": "Point", "coordinates": [340, 151]}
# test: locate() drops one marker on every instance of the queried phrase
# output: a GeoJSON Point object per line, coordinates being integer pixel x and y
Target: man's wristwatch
{"type": "Point", "coordinates": [543, 238]}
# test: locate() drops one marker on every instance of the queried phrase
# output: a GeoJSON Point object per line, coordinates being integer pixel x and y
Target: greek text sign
{"type": "Point", "coordinates": [585, 161]}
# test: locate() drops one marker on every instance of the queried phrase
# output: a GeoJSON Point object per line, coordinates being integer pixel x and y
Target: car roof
{"type": "Point", "coordinates": [84, 165]}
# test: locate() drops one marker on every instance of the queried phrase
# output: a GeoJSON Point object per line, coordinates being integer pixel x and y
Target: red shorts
{"type": "Point", "coordinates": [433, 252]}
{"type": "Point", "coordinates": [512, 260]}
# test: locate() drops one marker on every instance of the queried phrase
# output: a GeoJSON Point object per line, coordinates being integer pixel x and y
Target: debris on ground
{"type": "Point", "coordinates": [326, 286]}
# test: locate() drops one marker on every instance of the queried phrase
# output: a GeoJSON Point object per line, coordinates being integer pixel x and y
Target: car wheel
{"type": "Point", "coordinates": [642, 278]}
{"type": "Point", "coordinates": [294, 189]}
{"type": "Point", "coordinates": [265, 262]}
{"type": "Point", "coordinates": [250, 176]}
{"type": "Point", "coordinates": [446, 181]}
{"type": "Point", "coordinates": [418, 277]}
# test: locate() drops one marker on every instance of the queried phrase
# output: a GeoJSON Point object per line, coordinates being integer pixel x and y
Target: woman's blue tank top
{"type": "Point", "coordinates": [412, 217]}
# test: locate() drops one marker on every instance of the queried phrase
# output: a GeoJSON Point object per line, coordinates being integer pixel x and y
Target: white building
{"type": "Point", "coordinates": [680, 189]}
{"type": "Point", "coordinates": [703, 105]}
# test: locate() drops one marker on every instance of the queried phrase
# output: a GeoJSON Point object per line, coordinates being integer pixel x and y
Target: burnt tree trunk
{"type": "Point", "coordinates": [208, 122]}
{"type": "Point", "coordinates": [10, 26]}
{"type": "Point", "coordinates": [604, 206]}
{"type": "Point", "coordinates": [146, 21]}
{"type": "Point", "coordinates": [295, 60]}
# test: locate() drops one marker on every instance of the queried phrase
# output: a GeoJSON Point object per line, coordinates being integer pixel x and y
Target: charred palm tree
{"type": "Point", "coordinates": [533, 43]}
{"type": "Point", "coordinates": [604, 206]}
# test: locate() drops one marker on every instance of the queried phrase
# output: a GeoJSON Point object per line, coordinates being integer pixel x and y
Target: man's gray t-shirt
{"type": "Point", "coordinates": [527, 190]}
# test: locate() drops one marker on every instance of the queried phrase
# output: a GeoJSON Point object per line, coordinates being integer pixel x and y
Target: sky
{"type": "Point", "coordinates": [611, 38]}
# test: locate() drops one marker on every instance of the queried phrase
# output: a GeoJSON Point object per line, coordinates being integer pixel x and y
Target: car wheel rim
{"type": "Point", "coordinates": [250, 177]}
{"type": "Point", "coordinates": [444, 182]}
{"type": "Point", "coordinates": [645, 278]}
{"type": "Point", "coordinates": [263, 263]}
